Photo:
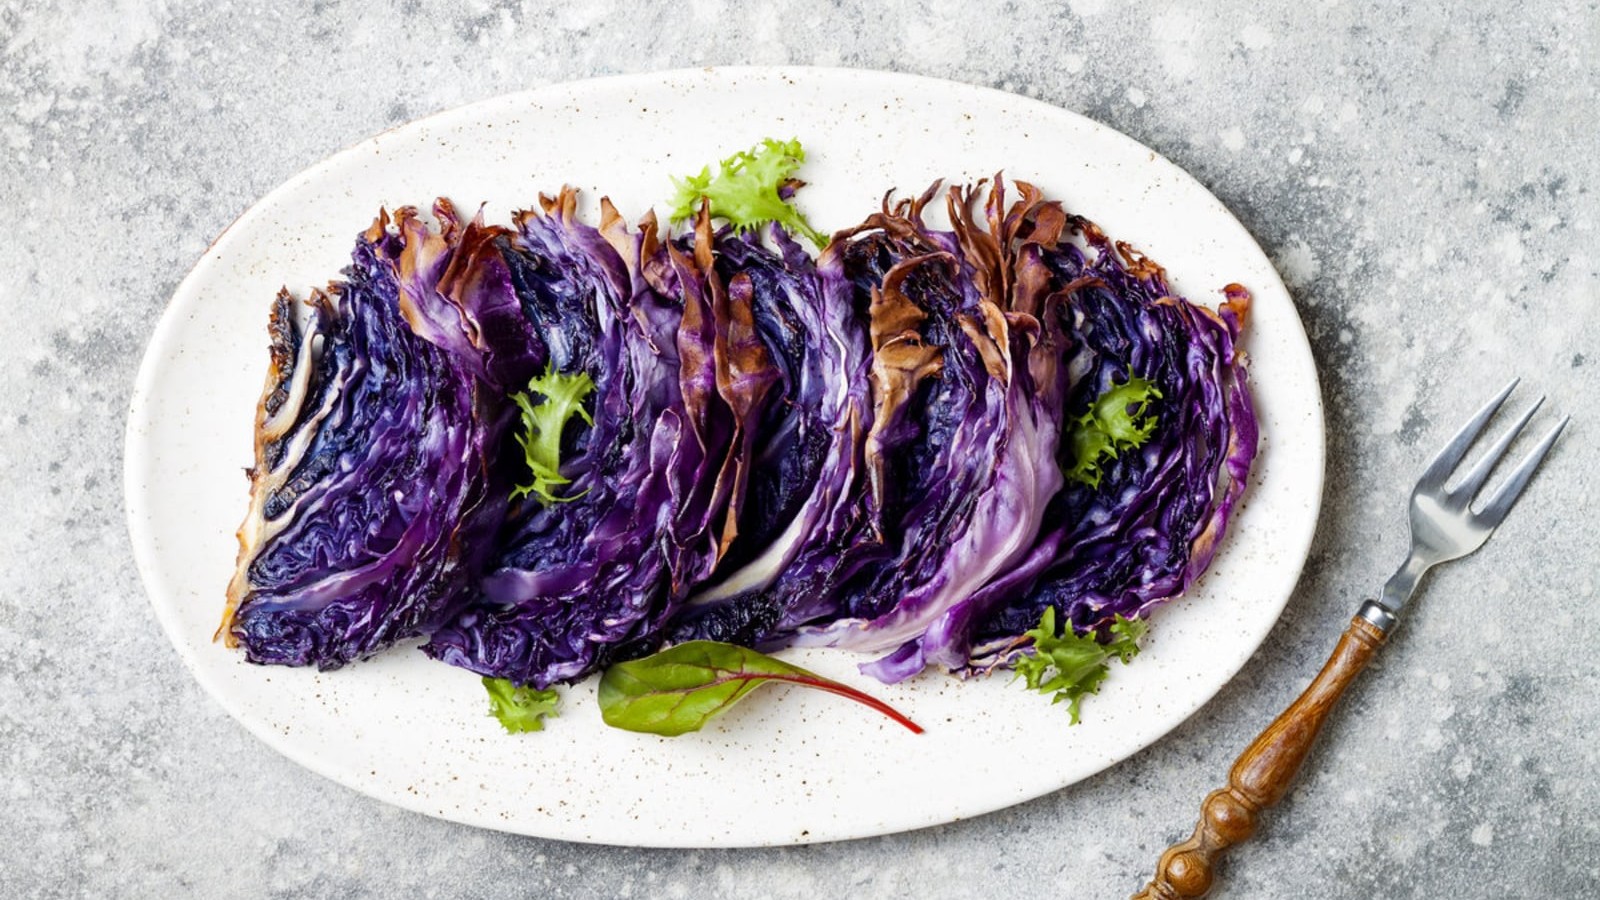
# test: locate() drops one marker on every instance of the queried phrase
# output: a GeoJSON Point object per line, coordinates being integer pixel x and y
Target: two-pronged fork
{"type": "Point", "coordinates": [1444, 527]}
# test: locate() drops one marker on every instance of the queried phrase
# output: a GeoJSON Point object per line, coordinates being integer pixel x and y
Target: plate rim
{"type": "Point", "coordinates": [136, 451]}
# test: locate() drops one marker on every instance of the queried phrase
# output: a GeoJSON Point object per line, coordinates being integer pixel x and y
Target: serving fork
{"type": "Point", "coordinates": [1444, 527]}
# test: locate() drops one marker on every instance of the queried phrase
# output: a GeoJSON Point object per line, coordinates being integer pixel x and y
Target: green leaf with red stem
{"type": "Point", "coordinates": [682, 688]}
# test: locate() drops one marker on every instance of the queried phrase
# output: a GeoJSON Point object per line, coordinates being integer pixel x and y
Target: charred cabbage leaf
{"type": "Point", "coordinates": [806, 480]}
{"type": "Point", "coordinates": [653, 468]}
{"type": "Point", "coordinates": [374, 494]}
{"type": "Point", "coordinates": [960, 457]}
{"type": "Point", "coordinates": [1145, 528]}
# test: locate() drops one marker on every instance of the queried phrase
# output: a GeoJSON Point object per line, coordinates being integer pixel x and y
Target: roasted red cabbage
{"type": "Point", "coordinates": [961, 453]}
{"type": "Point", "coordinates": [1152, 525]}
{"type": "Point", "coordinates": [806, 484]}
{"type": "Point", "coordinates": [867, 450]}
{"type": "Point", "coordinates": [677, 380]}
{"type": "Point", "coordinates": [373, 495]}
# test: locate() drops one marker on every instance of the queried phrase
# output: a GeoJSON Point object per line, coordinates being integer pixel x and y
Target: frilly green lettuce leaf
{"type": "Point", "coordinates": [520, 709]}
{"type": "Point", "coordinates": [542, 423]}
{"type": "Point", "coordinates": [1115, 422]}
{"type": "Point", "coordinates": [750, 189]}
{"type": "Point", "coordinates": [1070, 665]}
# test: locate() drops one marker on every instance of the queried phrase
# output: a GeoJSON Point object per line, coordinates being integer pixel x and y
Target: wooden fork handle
{"type": "Point", "coordinates": [1263, 772]}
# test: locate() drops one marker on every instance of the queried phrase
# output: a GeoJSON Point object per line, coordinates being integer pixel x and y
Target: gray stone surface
{"type": "Point", "coordinates": [1426, 180]}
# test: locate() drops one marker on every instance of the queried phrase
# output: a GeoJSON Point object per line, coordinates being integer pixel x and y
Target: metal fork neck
{"type": "Point", "coordinates": [1384, 612]}
{"type": "Point", "coordinates": [1400, 586]}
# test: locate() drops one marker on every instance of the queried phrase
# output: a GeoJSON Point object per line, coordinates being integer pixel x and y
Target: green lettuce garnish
{"type": "Point", "coordinates": [746, 190]}
{"type": "Point", "coordinates": [1115, 422]}
{"type": "Point", "coordinates": [1070, 665]}
{"type": "Point", "coordinates": [542, 424]}
{"type": "Point", "coordinates": [520, 709]}
{"type": "Point", "coordinates": [683, 687]}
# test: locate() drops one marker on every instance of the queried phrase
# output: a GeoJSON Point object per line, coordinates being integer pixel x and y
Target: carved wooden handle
{"type": "Point", "coordinates": [1262, 774]}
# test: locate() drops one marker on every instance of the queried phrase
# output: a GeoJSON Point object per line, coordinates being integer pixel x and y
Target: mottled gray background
{"type": "Point", "coordinates": [1425, 180]}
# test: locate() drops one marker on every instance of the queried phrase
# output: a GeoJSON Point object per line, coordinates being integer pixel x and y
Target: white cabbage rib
{"type": "Point", "coordinates": [257, 529]}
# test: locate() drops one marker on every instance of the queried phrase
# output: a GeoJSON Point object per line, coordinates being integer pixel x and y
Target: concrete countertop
{"type": "Point", "coordinates": [1425, 180]}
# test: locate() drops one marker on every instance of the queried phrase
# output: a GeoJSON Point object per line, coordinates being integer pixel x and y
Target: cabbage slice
{"type": "Point", "coordinates": [961, 454]}
{"type": "Point", "coordinates": [806, 476]}
{"type": "Point", "coordinates": [373, 498]}
{"type": "Point", "coordinates": [657, 471]}
{"type": "Point", "coordinates": [1152, 524]}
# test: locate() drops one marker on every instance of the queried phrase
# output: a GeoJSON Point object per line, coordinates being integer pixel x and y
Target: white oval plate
{"type": "Point", "coordinates": [787, 766]}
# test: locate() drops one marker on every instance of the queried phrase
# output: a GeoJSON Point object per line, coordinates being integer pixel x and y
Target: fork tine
{"type": "Point", "coordinates": [1449, 457]}
{"type": "Point", "coordinates": [1494, 511]}
{"type": "Point", "coordinates": [1480, 470]}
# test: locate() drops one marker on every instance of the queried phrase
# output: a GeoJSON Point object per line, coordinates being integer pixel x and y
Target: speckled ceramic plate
{"type": "Point", "coordinates": [786, 767]}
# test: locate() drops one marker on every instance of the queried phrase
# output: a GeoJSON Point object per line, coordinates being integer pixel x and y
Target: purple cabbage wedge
{"type": "Point", "coordinates": [373, 495]}
{"type": "Point", "coordinates": [806, 478]}
{"type": "Point", "coordinates": [580, 583]}
{"type": "Point", "coordinates": [1152, 524]}
{"type": "Point", "coordinates": [960, 458]}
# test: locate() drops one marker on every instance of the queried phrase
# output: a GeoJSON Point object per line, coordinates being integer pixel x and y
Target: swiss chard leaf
{"type": "Point", "coordinates": [680, 689]}
{"type": "Point", "coordinates": [543, 421]}
{"type": "Point", "coordinates": [1115, 421]}
{"type": "Point", "coordinates": [1070, 665]}
{"type": "Point", "coordinates": [520, 709]}
{"type": "Point", "coordinates": [750, 188]}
